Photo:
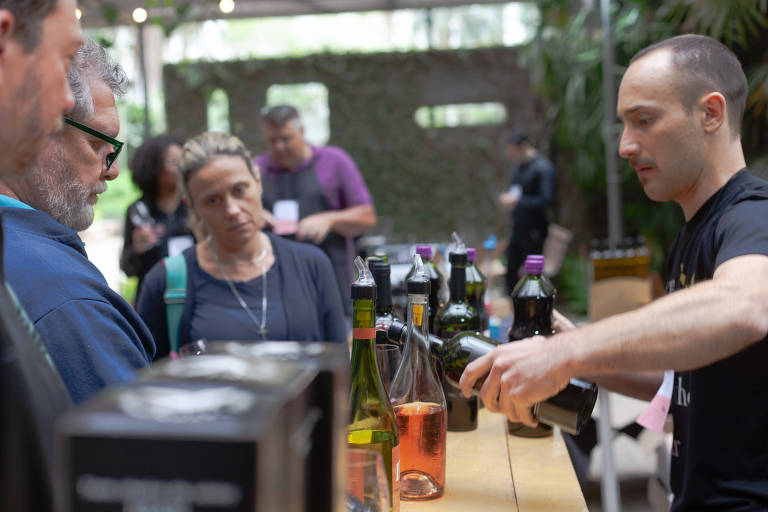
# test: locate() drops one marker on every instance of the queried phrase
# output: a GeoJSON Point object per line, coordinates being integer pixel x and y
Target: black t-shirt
{"type": "Point", "coordinates": [536, 177]}
{"type": "Point", "coordinates": [720, 411]}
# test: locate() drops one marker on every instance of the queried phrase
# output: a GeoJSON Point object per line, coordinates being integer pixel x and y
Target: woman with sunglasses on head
{"type": "Point", "coordinates": [242, 283]}
{"type": "Point", "coordinates": [155, 225]}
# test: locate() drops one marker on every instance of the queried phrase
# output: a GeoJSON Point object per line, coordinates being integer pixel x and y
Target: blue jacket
{"type": "Point", "coordinates": [307, 283]}
{"type": "Point", "coordinates": [94, 336]}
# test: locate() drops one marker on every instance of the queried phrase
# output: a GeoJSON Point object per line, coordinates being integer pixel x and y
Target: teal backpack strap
{"type": "Point", "coordinates": [175, 295]}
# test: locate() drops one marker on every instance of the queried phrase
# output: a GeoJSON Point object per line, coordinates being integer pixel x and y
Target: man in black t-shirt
{"type": "Point", "coordinates": [681, 102]}
{"type": "Point", "coordinates": [530, 196]}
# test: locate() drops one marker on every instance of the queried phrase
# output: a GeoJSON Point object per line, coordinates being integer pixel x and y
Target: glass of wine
{"type": "Point", "coordinates": [388, 358]}
{"type": "Point", "coordinates": [367, 487]}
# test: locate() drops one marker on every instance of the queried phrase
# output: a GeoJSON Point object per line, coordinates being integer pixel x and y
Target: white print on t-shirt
{"type": "Point", "coordinates": [683, 396]}
{"type": "Point", "coordinates": [675, 448]}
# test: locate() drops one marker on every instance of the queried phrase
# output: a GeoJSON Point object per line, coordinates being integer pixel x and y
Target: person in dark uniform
{"type": "Point", "coordinates": [530, 196]}
{"type": "Point", "coordinates": [314, 194]}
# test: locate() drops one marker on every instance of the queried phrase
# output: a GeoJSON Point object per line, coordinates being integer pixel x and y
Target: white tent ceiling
{"type": "Point", "coordinates": [194, 10]}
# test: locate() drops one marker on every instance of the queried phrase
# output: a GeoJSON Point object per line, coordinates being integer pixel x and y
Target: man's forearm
{"type": "Point", "coordinates": [354, 221]}
{"type": "Point", "coordinates": [682, 331]}
{"type": "Point", "coordinates": [642, 386]}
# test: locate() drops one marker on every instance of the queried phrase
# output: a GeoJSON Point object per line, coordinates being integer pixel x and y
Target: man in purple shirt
{"type": "Point", "coordinates": [314, 194]}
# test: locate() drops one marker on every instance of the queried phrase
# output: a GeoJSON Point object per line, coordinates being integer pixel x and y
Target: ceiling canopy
{"type": "Point", "coordinates": [98, 13]}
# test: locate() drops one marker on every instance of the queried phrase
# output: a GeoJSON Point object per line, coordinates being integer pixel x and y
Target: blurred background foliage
{"type": "Point", "coordinates": [565, 63]}
{"type": "Point", "coordinates": [563, 60]}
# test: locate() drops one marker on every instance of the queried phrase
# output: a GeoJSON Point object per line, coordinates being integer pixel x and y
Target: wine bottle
{"type": "Point", "coordinates": [476, 284]}
{"type": "Point", "coordinates": [381, 271]}
{"type": "Point", "coordinates": [533, 302]}
{"type": "Point", "coordinates": [418, 401]}
{"type": "Point", "coordinates": [570, 409]}
{"type": "Point", "coordinates": [372, 421]}
{"type": "Point", "coordinates": [456, 316]}
{"type": "Point", "coordinates": [398, 331]}
{"type": "Point", "coordinates": [435, 282]}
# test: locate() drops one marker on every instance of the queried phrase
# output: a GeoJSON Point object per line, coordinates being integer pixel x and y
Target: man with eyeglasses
{"type": "Point", "coordinates": [94, 337]}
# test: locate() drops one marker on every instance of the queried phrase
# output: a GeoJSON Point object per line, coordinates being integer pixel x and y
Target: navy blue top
{"type": "Point", "coordinates": [94, 337]}
{"type": "Point", "coordinates": [219, 315]}
{"type": "Point", "coordinates": [303, 301]}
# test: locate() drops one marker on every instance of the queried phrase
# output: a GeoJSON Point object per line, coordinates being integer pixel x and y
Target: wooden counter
{"type": "Point", "coordinates": [488, 470]}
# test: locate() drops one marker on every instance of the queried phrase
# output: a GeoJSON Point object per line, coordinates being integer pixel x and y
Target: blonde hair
{"type": "Point", "coordinates": [198, 152]}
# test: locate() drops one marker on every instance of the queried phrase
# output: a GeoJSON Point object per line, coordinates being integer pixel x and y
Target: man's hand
{"type": "Point", "coordinates": [560, 322]}
{"type": "Point", "coordinates": [509, 201]}
{"type": "Point", "coordinates": [517, 375]}
{"type": "Point", "coordinates": [316, 227]}
{"type": "Point", "coordinates": [143, 238]}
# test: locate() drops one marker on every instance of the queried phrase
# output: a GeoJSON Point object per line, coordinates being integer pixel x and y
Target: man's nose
{"type": "Point", "coordinates": [232, 208]}
{"type": "Point", "coordinates": [113, 171]}
{"type": "Point", "coordinates": [628, 147]}
{"type": "Point", "coordinates": [69, 98]}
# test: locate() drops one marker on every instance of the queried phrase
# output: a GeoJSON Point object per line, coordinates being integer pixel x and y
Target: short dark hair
{"type": "Point", "coordinates": [705, 65]}
{"type": "Point", "coordinates": [29, 16]}
{"type": "Point", "coordinates": [513, 137]}
{"type": "Point", "coordinates": [280, 115]}
{"type": "Point", "coordinates": [147, 162]}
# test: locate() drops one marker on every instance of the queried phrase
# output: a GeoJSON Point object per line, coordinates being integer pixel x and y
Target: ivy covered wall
{"type": "Point", "coordinates": [428, 181]}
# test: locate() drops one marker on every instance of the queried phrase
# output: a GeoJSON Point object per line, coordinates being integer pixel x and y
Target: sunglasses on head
{"type": "Point", "coordinates": [116, 144]}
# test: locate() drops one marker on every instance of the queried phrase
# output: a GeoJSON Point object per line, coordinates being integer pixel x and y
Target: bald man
{"type": "Point", "coordinates": [681, 102]}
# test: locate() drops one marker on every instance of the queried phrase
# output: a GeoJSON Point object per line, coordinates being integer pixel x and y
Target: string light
{"type": "Point", "coordinates": [139, 15]}
{"type": "Point", "coordinates": [227, 6]}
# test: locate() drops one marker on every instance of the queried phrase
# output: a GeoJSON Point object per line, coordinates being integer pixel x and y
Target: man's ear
{"type": "Point", "coordinates": [7, 26]}
{"type": "Point", "coordinates": [714, 111]}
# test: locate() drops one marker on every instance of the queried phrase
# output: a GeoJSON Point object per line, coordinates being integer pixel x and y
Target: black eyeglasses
{"type": "Point", "coordinates": [116, 144]}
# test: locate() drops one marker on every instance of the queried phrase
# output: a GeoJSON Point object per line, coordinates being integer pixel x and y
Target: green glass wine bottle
{"type": "Point", "coordinates": [476, 284]}
{"type": "Point", "coordinates": [372, 420]}
{"type": "Point", "coordinates": [455, 316]}
{"type": "Point", "coordinates": [382, 271]}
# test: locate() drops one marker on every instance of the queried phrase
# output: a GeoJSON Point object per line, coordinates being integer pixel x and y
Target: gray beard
{"type": "Point", "coordinates": [61, 195]}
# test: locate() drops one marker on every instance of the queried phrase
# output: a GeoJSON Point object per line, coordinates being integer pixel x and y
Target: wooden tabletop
{"type": "Point", "coordinates": [488, 470]}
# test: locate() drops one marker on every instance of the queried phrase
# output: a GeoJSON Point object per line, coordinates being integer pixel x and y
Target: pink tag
{"type": "Point", "coordinates": [286, 227]}
{"type": "Point", "coordinates": [655, 415]}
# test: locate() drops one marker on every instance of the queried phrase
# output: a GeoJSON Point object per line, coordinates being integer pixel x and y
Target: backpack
{"type": "Point", "coordinates": [174, 297]}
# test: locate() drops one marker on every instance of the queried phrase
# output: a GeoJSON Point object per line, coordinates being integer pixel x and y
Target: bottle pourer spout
{"type": "Point", "coordinates": [458, 243]}
{"type": "Point", "coordinates": [364, 276]}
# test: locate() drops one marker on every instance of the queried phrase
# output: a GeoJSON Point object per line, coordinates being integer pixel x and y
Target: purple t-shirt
{"type": "Point", "coordinates": [337, 174]}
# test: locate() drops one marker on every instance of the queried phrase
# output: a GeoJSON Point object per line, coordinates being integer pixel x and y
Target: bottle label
{"type": "Point", "coordinates": [418, 313]}
{"type": "Point", "coordinates": [363, 333]}
{"type": "Point", "coordinates": [396, 478]}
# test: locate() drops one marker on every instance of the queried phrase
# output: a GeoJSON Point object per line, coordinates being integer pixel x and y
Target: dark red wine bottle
{"type": "Point", "coordinates": [533, 302]}
{"type": "Point", "coordinates": [570, 409]}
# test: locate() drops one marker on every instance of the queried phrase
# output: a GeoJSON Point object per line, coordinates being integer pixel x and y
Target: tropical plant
{"type": "Point", "coordinates": [565, 62]}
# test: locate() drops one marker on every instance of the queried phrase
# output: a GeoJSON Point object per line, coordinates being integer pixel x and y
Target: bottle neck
{"type": "Point", "coordinates": [418, 324]}
{"type": "Point", "coordinates": [383, 293]}
{"type": "Point", "coordinates": [458, 283]}
{"type": "Point", "coordinates": [363, 330]}
{"type": "Point", "coordinates": [363, 360]}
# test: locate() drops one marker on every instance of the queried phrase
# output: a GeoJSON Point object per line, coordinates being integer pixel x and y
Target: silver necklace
{"type": "Point", "coordinates": [262, 325]}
